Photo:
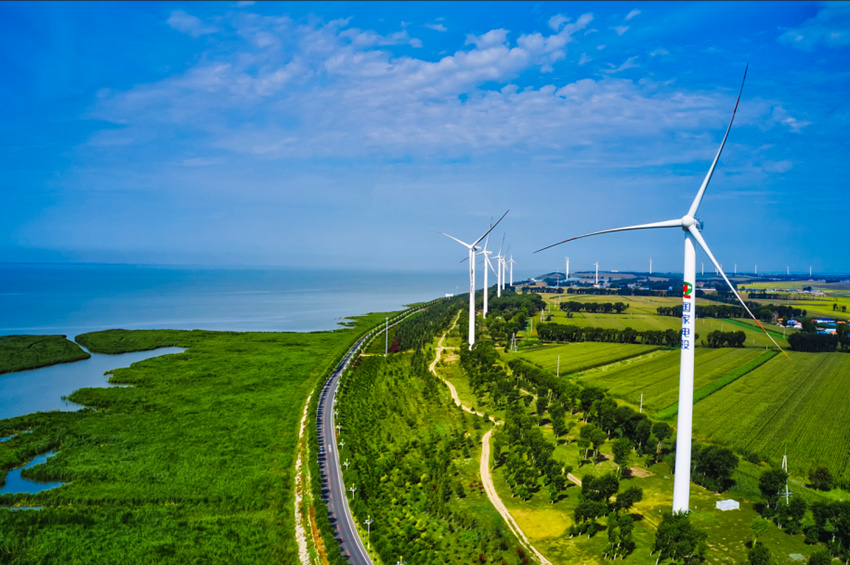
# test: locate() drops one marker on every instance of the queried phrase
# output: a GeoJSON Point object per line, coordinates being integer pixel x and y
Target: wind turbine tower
{"type": "Point", "coordinates": [650, 266]}
{"type": "Point", "coordinates": [568, 270]}
{"type": "Point", "coordinates": [597, 272]}
{"type": "Point", "coordinates": [472, 249]}
{"type": "Point", "coordinates": [511, 261]}
{"type": "Point", "coordinates": [691, 227]}
{"type": "Point", "coordinates": [485, 253]}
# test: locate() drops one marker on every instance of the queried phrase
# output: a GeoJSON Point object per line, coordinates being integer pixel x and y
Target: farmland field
{"type": "Point", "coordinates": [577, 357]}
{"type": "Point", "coordinates": [801, 404]}
{"type": "Point", "coordinates": [657, 375]}
{"type": "Point", "coordinates": [640, 315]}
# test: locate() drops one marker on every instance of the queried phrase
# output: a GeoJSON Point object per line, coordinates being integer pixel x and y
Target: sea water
{"type": "Point", "coordinates": [76, 298]}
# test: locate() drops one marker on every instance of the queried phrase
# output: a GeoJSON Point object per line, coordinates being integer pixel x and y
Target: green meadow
{"type": "Point", "coordinates": [192, 463]}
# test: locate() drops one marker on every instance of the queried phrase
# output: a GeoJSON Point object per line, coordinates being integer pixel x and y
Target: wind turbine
{"type": "Point", "coordinates": [471, 247]}
{"type": "Point", "coordinates": [691, 226]}
{"type": "Point", "coordinates": [512, 262]}
{"type": "Point", "coordinates": [650, 265]}
{"type": "Point", "coordinates": [500, 275]}
{"type": "Point", "coordinates": [597, 272]}
{"type": "Point", "coordinates": [568, 270]}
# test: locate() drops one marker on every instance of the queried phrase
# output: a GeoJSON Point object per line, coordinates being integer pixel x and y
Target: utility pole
{"type": "Point", "coordinates": [368, 523]}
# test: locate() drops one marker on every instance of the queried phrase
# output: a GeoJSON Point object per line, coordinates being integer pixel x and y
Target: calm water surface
{"type": "Point", "coordinates": [40, 390]}
{"type": "Point", "coordinates": [15, 483]}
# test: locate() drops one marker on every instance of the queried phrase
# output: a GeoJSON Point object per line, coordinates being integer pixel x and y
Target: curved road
{"type": "Point", "coordinates": [334, 490]}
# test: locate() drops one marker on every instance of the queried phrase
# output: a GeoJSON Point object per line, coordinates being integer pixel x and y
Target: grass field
{"type": "Point", "coordinates": [191, 464]}
{"type": "Point", "coordinates": [22, 352]}
{"type": "Point", "coordinates": [639, 316]}
{"type": "Point", "coordinates": [578, 357]}
{"type": "Point", "coordinates": [801, 405]}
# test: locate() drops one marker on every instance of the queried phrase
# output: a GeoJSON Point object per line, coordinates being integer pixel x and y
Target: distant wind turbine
{"type": "Point", "coordinates": [650, 265]}
{"type": "Point", "coordinates": [485, 253]}
{"type": "Point", "coordinates": [691, 226]}
{"type": "Point", "coordinates": [471, 247]}
{"type": "Point", "coordinates": [597, 272]}
{"type": "Point", "coordinates": [512, 262]}
{"type": "Point", "coordinates": [568, 270]}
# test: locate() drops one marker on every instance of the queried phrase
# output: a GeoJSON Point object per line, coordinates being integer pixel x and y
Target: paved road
{"type": "Point", "coordinates": [329, 464]}
{"type": "Point", "coordinates": [334, 489]}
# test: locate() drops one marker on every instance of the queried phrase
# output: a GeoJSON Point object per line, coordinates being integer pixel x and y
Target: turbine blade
{"type": "Point", "coordinates": [695, 205]}
{"type": "Point", "coordinates": [491, 228]}
{"type": "Point", "coordinates": [456, 239]}
{"type": "Point", "coordinates": [677, 223]}
{"type": "Point", "coordinates": [698, 236]}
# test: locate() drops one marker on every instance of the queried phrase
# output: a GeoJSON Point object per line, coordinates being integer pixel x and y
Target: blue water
{"type": "Point", "coordinates": [40, 390]}
{"type": "Point", "coordinates": [78, 298]}
{"type": "Point", "coordinates": [16, 484]}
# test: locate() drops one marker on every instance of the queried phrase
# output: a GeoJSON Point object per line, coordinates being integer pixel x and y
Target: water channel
{"type": "Point", "coordinates": [41, 390]}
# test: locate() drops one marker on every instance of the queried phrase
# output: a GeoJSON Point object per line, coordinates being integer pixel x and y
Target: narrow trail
{"type": "Point", "coordinates": [484, 469]}
{"type": "Point", "coordinates": [300, 530]}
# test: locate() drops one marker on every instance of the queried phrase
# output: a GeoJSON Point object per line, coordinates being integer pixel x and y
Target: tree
{"type": "Point", "coordinates": [662, 431]}
{"type": "Point", "coordinates": [821, 478]}
{"type": "Point", "coordinates": [820, 557]}
{"type": "Point", "coordinates": [759, 554]}
{"type": "Point", "coordinates": [759, 527]}
{"type": "Point", "coordinates": [620, 540]}
{"type": "Point", "coordinates": [714, 465]}
{"type": "Point", "coordinates": [678, 539]}
{"type": "Point", "coordinates": [770, 483]}
{"type": "Point", "coordinates": [790, 516]}
{"type": "Point", "coordinates": [628, 498]}
{"type": "Point", "coordinates": [622, 452]}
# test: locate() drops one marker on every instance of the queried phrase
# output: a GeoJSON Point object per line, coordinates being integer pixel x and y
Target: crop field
{"type": "Point", "coordinates": [801, 404]}
{"type": "Point", "coordinates": [577, 357]}
{"type": "Point", "coordinates": [755, 337]}
{"type": "Point", "coordinates": [656, 375]}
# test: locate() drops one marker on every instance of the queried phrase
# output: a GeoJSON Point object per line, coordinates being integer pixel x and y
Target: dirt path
{"type": "Point", "coordinates": [486, 477]}
{"type": "Point", "coordinates": [300, 530]}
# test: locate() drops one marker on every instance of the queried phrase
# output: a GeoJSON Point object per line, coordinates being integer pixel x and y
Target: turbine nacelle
{"type": "Point", "coordinates": [688, 221]}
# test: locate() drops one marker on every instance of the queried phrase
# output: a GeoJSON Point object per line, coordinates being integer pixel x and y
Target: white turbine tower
{"type": "Point", "coordinates": [512, 263]}
{"type": "Point", "coordinates": [650, 265]}
{"type": "Point", "coordinates": [485, 253]}
{"type": "Point", "coordinates": [691, 226]}
{"type": "Point", "coordinates": [471, 247]}
{"type": "Point", "coordinates": [568, 270]}
{"type": "Point", "coordinates": [597, 272]}
{"type": "Point", "coordinates": [500, 264]}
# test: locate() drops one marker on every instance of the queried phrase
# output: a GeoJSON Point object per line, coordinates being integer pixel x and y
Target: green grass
{"type": "Point", "coordinates": [801, 405]}
{"type": "Point", "coordinates": [578, 357]}
{"type": "Point", "coordinates": [22, 352]}
{"type": "Point", "coordinates": [656, 375]}
{"type": "Point", "coordinates": [193, 463]}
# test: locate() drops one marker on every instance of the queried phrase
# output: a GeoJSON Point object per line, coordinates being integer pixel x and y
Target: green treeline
{"type": "Point", "coordinates": [411, 461]}
{"type": "Point", "coordinates": [726, 339]}
{"type": "Point", "coordinates": [595, 307]}
{"type": "Point", "coordinates": [420, 329]}
{"type": "Point", "coordinates": [562, 333]}
{"type": "Point", "coordinates": [821, 343]}
{"type": "Point", "coordinates": [765, 313]}
{"type": "Point", "coordinates": [23, 352]}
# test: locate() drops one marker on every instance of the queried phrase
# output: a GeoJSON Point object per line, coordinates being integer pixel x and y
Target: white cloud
{"type": "Point", "coordinates": [659, 52]}
{"type": "Point", "coordinates": [830, 27]}
{"type": "Point", "coordinates": [188, 24]}
{"type": "Point", "coordinates": [632, 14]}
{"type": "Point", "coordinates": [620, 29]}
{"type": "Point", "coordinates": [628, 64]}
{"type": "Point", "coordinates": [436, 27]}
{"type": "Point", "coordinates": [557, 21]}
{"type": "Point", "coordinates": [779, 115]}
{"type": "Point", "coordinates": [331, 91]}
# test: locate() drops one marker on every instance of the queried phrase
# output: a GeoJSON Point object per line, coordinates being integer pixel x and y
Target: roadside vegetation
{"type": "Point", "coordinates": [23, 352]}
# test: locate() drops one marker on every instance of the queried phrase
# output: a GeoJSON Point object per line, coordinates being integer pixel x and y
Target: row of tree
{"type": "Point", "coordinates": [562, 333]}
{"type": "Point", "coordinates": [594, 307]}
{"type": "Point", "coordinates": [765, 313]}
{"type": "Point", "coordinates": [814, 342]}
{"type": "Point", "coordinates": [726, 339]}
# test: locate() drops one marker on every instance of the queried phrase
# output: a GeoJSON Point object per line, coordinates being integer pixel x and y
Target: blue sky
{"type": "Point", "coordinates": [347, 134]}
